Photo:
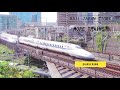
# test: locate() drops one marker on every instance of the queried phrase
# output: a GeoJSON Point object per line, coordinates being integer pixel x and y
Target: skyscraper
{"type": "Point", "coordinates": [90, 15]}
{"type": "Point", "coordinates": [66, 18]}
{"type": "Point", "coordinates": [8, 22]}
{"type": "Point", "coordinates": [73, 18]}
{"type": "Point", "coordinates": [109, 17]}
{"type": "Point", "coordinates": [27, 17]}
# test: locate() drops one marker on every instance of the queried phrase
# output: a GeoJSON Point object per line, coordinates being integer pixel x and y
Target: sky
{"type": "Point", "coordinates": [49, 16]}
{"type": "Point", "coordinates": [46, 16]}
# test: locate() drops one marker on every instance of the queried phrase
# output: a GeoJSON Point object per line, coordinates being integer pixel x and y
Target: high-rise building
{"type": "Point", "coordinates": [90, 15]}
{"type": "Point", "coordinates": [34, 18]}
{"type": "Point", "coordinates": [8, 22]}
{"type": "Point", "coordinates": [73, 18]}
{"type": "Point", "coordinates": [109, 17]}
{"type": "Point", "coordinates": [27, 17]}
{"type": "Point", "coordinates": [66, 18]}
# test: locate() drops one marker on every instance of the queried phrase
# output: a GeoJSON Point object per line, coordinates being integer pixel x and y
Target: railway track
{"type": "Point", "coordinates": [110, 68]}
{"type": "Point", "coordinates": [110, 72]}
{"type": "Point", "coordinates": [67, 61]}
{"type": "Point", "coordinates": [113, 66]}
{"type": "Point", "coordinates": [67, 73]}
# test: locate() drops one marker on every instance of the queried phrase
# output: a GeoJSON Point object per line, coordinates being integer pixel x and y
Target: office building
{"type": "Point", "coordinates": [109, 17]}
{"type": "Point", "coordinates": [73, 18]}
{"type": "Point", "coordinates": [27, 17]}
{"type": "Point", "coordinates": [8, 22]}
{"type": "Point", "coordinates": [66, 18]}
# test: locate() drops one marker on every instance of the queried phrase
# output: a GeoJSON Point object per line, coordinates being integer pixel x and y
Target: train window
{"type": "Point", "coordinates": [58, 46]}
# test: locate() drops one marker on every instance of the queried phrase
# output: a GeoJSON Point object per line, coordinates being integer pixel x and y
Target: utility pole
{"type": "Point", "coordinates": [18, 35]}
{"type": "Point", "coordinates": [67, 27]}
{"type": "Point", "coordinates": [45, 32]}
{"type": "Point", "coordinates": [45, 36]}
{"type": "Point", "coordinates": [29, 60]}
{"type": "Point", "coordinates": [46, 28]}
{"type": "Point", "coordinates": [55, 35]}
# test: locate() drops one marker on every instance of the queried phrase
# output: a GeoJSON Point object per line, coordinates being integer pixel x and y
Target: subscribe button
{"type": "Point", "coordinates": [90, 64]}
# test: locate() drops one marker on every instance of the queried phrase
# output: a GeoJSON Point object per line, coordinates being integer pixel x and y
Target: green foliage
{"type": "Point", "coordinates": [7, 71]}
{"type": "Point", "coordinates": [60, 40]}
{"type": "Point", "coordinates": [118, 37]}
{"type": "Point", "coordinates": [64, 39]}
{"type": "Point", "coordinates": [20, 60]}
{"type": "Point", "coordinates": [28, 74]}
{"type": "Point", "coordinates": [5, 50]}
{"type": "Point", "coordinates": [98, 40]}
{"type": "Point", "coordinates": [7, 55]}
{"type": "Point", "coordinates": [26, 60]}
{"type": "Point", "coordinates": [74, 41]}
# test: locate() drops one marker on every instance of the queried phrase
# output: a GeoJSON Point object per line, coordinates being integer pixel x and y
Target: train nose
{"type": "Point", "coordinates": [91, 56]}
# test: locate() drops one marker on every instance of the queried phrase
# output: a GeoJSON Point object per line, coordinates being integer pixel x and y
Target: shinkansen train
{"type": "Point", "coordinates": [67, 48]}
{"type": "Point", "coordinates": [8, 37]}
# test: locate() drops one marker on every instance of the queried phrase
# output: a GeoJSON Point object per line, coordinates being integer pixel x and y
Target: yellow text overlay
{"type": "Point", "coordinates": [90, 64]}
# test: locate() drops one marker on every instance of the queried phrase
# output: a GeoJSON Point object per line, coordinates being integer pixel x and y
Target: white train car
{"type": "Point", "coordinates": [68, 48]}
{"type": "Point", "coordinates": [8, 37]}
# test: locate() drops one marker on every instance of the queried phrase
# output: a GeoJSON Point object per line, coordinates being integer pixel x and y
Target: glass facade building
{"type": "Point", "coordinates": [90, 19]}
{"type": "Point", "coordinates": [85, 17]}
{"type": "Point", "coordinates": [27, 17]}
{"type": "Point", "coordinates": [8, 22]}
